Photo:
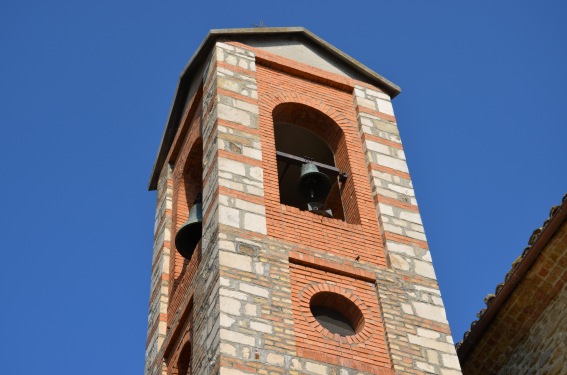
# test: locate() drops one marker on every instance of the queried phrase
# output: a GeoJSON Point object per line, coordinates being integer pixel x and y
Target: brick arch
{"type": "Point", "coordinates": [330, 127]}
{"type": "Point", "coordinates": [178, 353]}
{"type": "Point", "coordinates": [312, 119]}
{"type": "Point", "coordinates": [184, 359]}
{"type": "Point", "coordinates": [281, 97]}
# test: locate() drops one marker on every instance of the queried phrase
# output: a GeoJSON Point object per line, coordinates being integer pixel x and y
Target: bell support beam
{"type": "Point", "coordinates": [298, 160]}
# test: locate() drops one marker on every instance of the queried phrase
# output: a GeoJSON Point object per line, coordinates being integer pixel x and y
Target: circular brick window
{"type": "Point", "coordinates": [336, 313]}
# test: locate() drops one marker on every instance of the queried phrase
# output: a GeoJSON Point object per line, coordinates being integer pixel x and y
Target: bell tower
{"type": "Point", "coordinates": [287, 235]}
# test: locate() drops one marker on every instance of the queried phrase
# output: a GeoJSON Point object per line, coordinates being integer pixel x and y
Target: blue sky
{"type": "Point", "coordinates": [85, 90]}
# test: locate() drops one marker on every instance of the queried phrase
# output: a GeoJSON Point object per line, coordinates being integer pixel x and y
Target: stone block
{"type": "Point", "coordinates": [427, 289]}
{"type": "Point", "coordinates": [229, 305]}
{"type": "Point", "coordinates": [400, 248]}
{"type": "Point", "coordinates": [399, 262]}
{"type": "Point", "coordinates": [248, 107]}
{"type": "Point", "coordinates": [255, 223]}
{"type": "Point", "coordinates": [413, 217]}
{"type": "Point", "coordinates": [226, 321]}
{"type": "Point", "coordinates": [416, 235]}
{"type": "Point", "coordinates": [227, 245]}
{"type": "Point", "coordinates": [237, 261]}
{"type": "Point", "coordinates": [233, 294]}
{"type": "Point", "coordinates": [360, 91]}
{"type": "Point", "coordinates": [256, 173]}
{"type": "Point", "coordinates": [431, 344]}
{"type": "Point", "coordinates": [232, 371]}
{"type": "Point", "coordinates": [231, 184]}
{"type": "Point", "coordinates": [275, 359]}
{"type": "Point", "coordinates": [252, 153]}
{"type": "Point", "coordinates": [387, 193]}
{"type": "Point", "coordinates": [232, 166]}
{"type": "Point", "coordinates": [386, 209]}
{"type": "Point", "coordinates": [315, 368]}
{"type": "Point", "coordinates": [261, 327]}
{"type": "Point", "coordinates": [385, 106]}
{"type": "Point", "coordinates": [451, 361]}
{"type": "Point", "coordinates": [390, 162]}
{"type": "Point", "coordinates": [296, 364]}
{"type": "Point", "coordinates": [377, 147]}
{"type": "Point", "coordinates": [424, 269]}
{"type": "Point", "coordinates": [237, 337]}
{"type": "Point", "coordinates": [430, 312]}
{"type": "Point", "coordinates": [392, 228]}
{"type": "Point", "coordinates": [250, 309]}
{"type": "Point", "coordinates": [425, 367]}
{"type": "Point", "coordinates": [402, 189]}
{"type": "Point", "coordinates": [226, 47]}
{"type": "Point", "coordinates": [366, 103]}
{"type": "Point", "coordinates": [228, 349]}
{"type": "Point", "coordinates": [433, 356]}
{"type": "Point", "coordinates": [229, 216]}
{"type": "Point", "coordinates": [256, 290]}
{"type": "Point", "coordinates": [235, 115]}
{"type": "Point", "coordinates": [428, 333]}
{"type": "Point", "coordinates": [250, 207]}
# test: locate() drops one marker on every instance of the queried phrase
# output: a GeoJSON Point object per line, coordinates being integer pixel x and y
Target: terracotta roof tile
{"type": "Point", "coordinates": [489, 299]}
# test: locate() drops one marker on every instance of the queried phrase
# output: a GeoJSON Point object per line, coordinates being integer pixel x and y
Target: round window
{"type": "Point", "coordinates": [336, 313]}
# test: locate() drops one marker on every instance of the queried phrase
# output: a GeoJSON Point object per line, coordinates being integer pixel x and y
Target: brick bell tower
{"type": "Point", "coordinates": [287, 235]}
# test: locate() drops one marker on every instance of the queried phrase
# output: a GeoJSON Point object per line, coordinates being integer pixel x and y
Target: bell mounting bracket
{"type": "Point", "coordinates": [298, 160]}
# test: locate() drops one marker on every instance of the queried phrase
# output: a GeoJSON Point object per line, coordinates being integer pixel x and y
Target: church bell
{"type": "Point", "coordinates": [189, 235]}
{"type": "Point", "coordinates": [313, 185]}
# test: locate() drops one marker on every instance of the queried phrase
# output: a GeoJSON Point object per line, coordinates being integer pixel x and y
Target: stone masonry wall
{"type": "Point", "coordinates": [416, 325]}
{"type": "Point", "coordinates": [414, 316]}
{"type": "Point", "coordinates": [243, 292]}
{"type": "Point", "coordinates": [257, 314]}
{"type": "Point", "coordinates": [247, 293]}
{"type": "Point", "coordinates": [159, 290]}
{"type": "Point", "coordinates": [544, 351]}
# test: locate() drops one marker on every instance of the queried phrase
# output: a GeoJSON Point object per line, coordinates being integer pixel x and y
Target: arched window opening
{"type": "Point", "coordinates": [306, 143]}
{"type": "Point", "coordinates": [184, 360]}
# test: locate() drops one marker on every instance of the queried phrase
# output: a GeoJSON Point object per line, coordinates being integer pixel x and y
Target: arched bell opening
{"type": "Point", "coordinates": [189, 233]}
{"type": "Point", "coordinates": [184, 360]}
{"type": "Point", "coordinates": [188, 216]}
{"type": "Point", "coordinates": [310, 175]}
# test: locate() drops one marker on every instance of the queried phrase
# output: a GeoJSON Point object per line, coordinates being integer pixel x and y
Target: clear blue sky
{"type": "Point", "coordinates": [85, 90]}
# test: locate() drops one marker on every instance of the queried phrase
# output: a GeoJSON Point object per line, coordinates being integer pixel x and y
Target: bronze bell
{"type": "Point", "coordinates": [189, 235]}
{"type": "Point", "coordinates": [312, 184]}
